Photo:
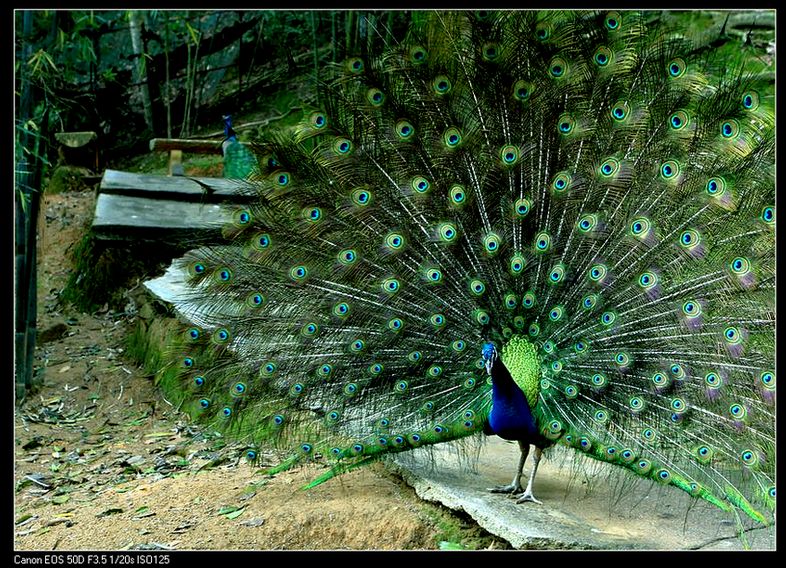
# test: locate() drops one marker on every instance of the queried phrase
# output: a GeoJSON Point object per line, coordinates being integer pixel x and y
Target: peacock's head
{"type": "Point", "coordinates": [490, 355]}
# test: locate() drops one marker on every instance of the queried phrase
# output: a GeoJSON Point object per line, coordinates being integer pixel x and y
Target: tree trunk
{"type": "Point", "coordinates": [135, 27]}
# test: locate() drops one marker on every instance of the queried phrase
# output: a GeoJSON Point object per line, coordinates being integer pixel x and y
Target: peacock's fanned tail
{"type": "Point", "coordinates": [583, 183]}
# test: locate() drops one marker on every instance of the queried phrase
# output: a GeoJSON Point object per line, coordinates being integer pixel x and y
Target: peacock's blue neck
{"type": "Point", "coordinates": [511, 413]}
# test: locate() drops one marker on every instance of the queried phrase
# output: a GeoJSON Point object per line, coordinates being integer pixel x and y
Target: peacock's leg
{"type": "Point", "coordinates": [528, 496]}
{"type": "Point", "coordinates": [514, 486]}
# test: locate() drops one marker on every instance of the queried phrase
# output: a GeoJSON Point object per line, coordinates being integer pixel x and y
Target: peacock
{"type": "Point", "coordinates": [239, 161]}
{"type": "Point", "coordinates": [553, 227]}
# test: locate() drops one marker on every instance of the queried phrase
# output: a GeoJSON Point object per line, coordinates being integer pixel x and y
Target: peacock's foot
{"type": "Point", "coordinates": [528, 497]}
{"type": "Point", "coordinates": [509, 488]}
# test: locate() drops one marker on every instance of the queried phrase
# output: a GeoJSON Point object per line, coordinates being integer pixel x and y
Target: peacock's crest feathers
{"type": "Point", "coordinates": [593, 195]}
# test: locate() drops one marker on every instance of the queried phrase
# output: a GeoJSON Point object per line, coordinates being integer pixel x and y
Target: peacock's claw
{"type": "Point", "coordinates": [528, 497]}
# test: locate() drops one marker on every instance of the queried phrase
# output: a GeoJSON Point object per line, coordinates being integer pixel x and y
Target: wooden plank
{"type": "Point", "coordinates": [188, 146]}
{"type": "Point", "coordinates": [175, 187]}
{"type": "Point", "coordinates": [121, 217]}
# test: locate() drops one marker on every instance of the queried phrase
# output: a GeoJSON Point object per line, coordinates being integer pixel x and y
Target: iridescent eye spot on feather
{"type": "Point", "coordinates": [490, 51]}
{"type": "Point", "coordinates": [557, 274]}
{"type": "Point", "coordinates": [509, 155]}
{"type": "Point", "coordinates": [391, 285]}
{"type": "Point", "coordinates": [418, 55]}
{"type": "Point", "coordinates": [690, 239]}
{"type": "Point", "coordinates": [481, 316]}
{"type": "Point", "coordinates": [405, 130]}
{"type": "Point", "coordinates": [420, 184]}
{"type": "Point", "coordinates": [375, 97]}
{"type": "Point", "coordinates": [434, 371]}
{"type": "Point", "coordinates": [414, 356]}
{"type": "Point", "coordinates": [636, 404]}
{"type": "Point", "coordinates": [556, 313]}
{"type": "Point", "coordinates": [648, 280]}
{"type": "Point", "coordinates": [510, 301]}
{"type": "Point", "coordinates": [522, 90]}
{"type": "Point", "coordinates": [768, 215]}
{"type": "Point", "coordinates": [679, 120]}
{"type": "Point", "coordinates": [261, 242]}
{"type": "Point", "coordinates": [310, 329]}
{"type": "Point", "coordinates": [601, 417]}
{"type": "Point", "coordinates": [188, 362]}
{"type": "Point", "coordinates": [325, 370]}
{"type": "Point", "coordinates": [558, 68]}
{"type": "Point", "coordinates": [242, 218]}
{"type": "Point", "coordinates": [732, 335]}
{"type": "Point", "coordinates": [251, 455]}
{"type": "Point", "coordinates": [394, 242]}
{"type": "Point", "coordinates": [401, 387]}
{"type": "Point", "coordinates": [312, 214]}
{"type": "Point", "coordinates": [452, 137]}
{"type": "Point", "coordinates": [357, 346]}
{"type": "Point", "coordinates": [196, 268]}
{"type": "Point", "coordinates": [355, 65]}
{"type": "Point", "coordinates": [663, 475]}
{"type": "Point", "coordinates": [542, 242]}
{"type": "Point", "coordinates": [676, 67]}
{"type": "Point", "coordinates": [749, 458]}
{"type": "Point", "coordinates": [599, 380]}
{"type": "Point", "coordinates": [603, 56]}
{"type": "Point", "coordinates": [204, 403]}
{"type": "Point", "coordinates": [447, 232]}
{"type": "Point", "coordinates": [199, 381]}
{"type": "Point", "coordinates": [438, 321]}
{"type": "Point", "coordinates": [649, 434]}
{"type": "Point", "coordinates": [767, 380]}
{"type": "Point", "coordinates": [491, 243]}
{"type": "Point", "coordinates": [678, 405]}
{"type": "Point", "coordinates": [609, 168]}
{"type": "Point", "coordinates": [221, 336]}
{"type": "Point", "coordinates": [640, 227]}
{"type": "Point", "coordinates": [341, 310]}
{"type": "Point", "coordinates": [528, 300]}
{"type": "Point", "coordinates": [347, 257]}
{"type": "Point", "coordinates": [612, 21]}
{"type": "Point", "coordinates": [738, 412]}
{"type": "Point", "coordinates": [730, 129]}
{"type": "Point", "coordinates": [587, 223]}
{"type": "Point", "coordinates": [361, 197]}
{"type": "Point", "coordinates": [598, 273]}
{"type": "Point", "coordinates": [522, 207]}
{"type": "Point", "coordinates": [282, 179]}
{"type": "Point", "coordinates": [318, 120]}
{"type": "Point", "coordinates": [566, 124]}
{"type": "Point", "coordinates": [691, 309]}
{"type": "Point", "coordinates": [433, 275]}
{"type": "Point", "coordinates": [670, 169]}
{"type": "Point", "coordinates": [441, 85]}
{"type": "Point", "coordinates": [703, 454]}
{"type": "Point", "coordinates": [608, 318]}
{"type": "Point", "coordinates": [517, 264]}
{"type": "Point", "coordinates": [660, 381]}
{"type": "Point", "coordinates": [620, 111]}
{"type": "Point", "coordinates": [298, 273]}
{"type": "Point", "coordinates": [622, 359]}
{"type": "Point", "coordinates": [223, 275]}
{"type": "Point", "coordinates": [238, 389]}
{"type": "Point", "coordinates": [268, 369]}
{"type": "Point", "coordinates": [740, 266]}
{"type": "Point", "coordinates": [350, 389]}
{"type": "Point", "coordinates": [750, 100]}
{"type": "Point", "coordinates": [193, 334]}
{"type": "Point", "coordinates": [342, 146]}
{"type": "Point", "coordinates": [713, 380]}
{"type": "Point", "coordinates": [477, 287]}
{"type": "Point", "coordinates": [561, 183]}
{"type": "Point", "coordinates": [458, 345]}
{"type": "Point", "coordinates": [395, 324]}
{"type": "Point", "coordinates": [716, 186]}
{"type": "Point", "coordinates": [458, 196]}
{"type": "Point", "coordinates": [589, 302]}
{"type": "Point", "coordinates": [255, 300]}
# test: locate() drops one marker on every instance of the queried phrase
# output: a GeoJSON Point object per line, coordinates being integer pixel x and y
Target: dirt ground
{"type": "Point", "coordinates": [102, 462]}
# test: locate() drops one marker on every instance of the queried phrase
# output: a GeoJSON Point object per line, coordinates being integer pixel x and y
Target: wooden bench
{"type": "Point", "coordinates": [176, 147]}
{"type": "Point", "coordinates": [154, 207]}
